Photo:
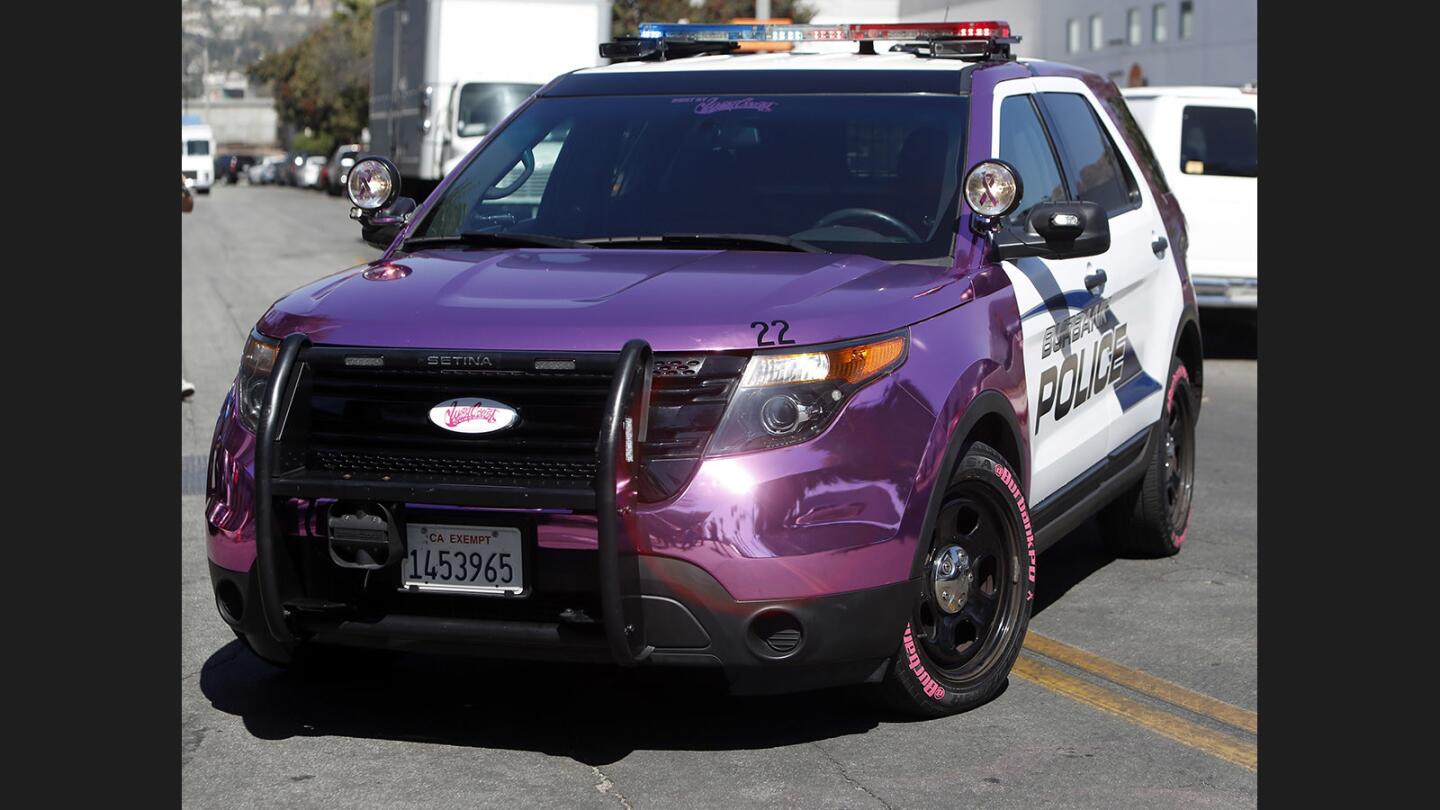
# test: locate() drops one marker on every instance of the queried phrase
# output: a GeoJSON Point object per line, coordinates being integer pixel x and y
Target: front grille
{"type": "Point", "coordinates": [501, 471]}
{"type": "Point", "coordinates": [365, 418]}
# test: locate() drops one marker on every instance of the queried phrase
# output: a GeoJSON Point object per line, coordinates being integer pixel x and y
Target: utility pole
{"type": "Point", "coordinates": [762, 9]}
{"type": "Point", "coordinates": [205, 77]}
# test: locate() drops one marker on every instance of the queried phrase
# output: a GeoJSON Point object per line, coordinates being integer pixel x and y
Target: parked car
{"type": "Point", "coordinates": [263, 171]}
{"type": "Point", "coordinates": [339, 167]}
{"type": "Point", "coordinates": [792, 384]}
{"type": "Point", "coordinates": [294, 163]}
{"type": "Point", "coordinates": [230, 168]}
{"type": "Point", "coordinates": [310, 171]}
{"type": "Point", "coordinates": [1206, 138]}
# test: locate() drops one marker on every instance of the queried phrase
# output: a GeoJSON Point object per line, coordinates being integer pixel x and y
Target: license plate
{"type": "Point", "coordinates": [463, 559]}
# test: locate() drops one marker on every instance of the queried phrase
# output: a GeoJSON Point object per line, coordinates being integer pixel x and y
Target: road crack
{"type": "Point", "coordinates": [608, 788]}
{"type": "Point", "coordinates": [848, 778]}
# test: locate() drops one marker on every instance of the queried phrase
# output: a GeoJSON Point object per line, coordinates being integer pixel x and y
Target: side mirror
{"type": "Point", "coordinates": [1056, 230]}
{"type": "Point", "coordinates": [373, 186]}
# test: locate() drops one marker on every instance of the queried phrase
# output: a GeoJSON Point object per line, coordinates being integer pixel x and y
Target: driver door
{"type": "Point", "coordinates": [1068, 432]}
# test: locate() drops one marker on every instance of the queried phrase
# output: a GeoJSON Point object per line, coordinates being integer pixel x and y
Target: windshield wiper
{"type": "Point", "coordinates": [497, 239]}
{"type": "Point", "coordinates": [751, 241]}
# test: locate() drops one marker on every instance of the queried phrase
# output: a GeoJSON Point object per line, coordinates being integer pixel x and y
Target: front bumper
{"type": "Point", "coordinates": [689, 618]}
{"type": "Point", "coordinates": [816, 596]}
{"type": "Point", "coordinates": [1229, 292]}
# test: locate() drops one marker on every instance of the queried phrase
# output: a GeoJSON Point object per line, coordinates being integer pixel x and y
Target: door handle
{"type": "Point", "coordinates": [1159, 246]}
{"type": "Point", "coordinates": [1095, 282]}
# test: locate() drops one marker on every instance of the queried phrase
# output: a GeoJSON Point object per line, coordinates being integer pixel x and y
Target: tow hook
{"type": "Point", "coordinates": [364, 535]}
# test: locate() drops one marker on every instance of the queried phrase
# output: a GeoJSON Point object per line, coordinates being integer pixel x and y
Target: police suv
{"type": "Point", "coordinates": [787, 364]}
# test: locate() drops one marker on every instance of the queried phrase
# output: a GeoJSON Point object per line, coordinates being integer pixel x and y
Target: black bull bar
{"type": "Point", "coordinates": [614, 498]}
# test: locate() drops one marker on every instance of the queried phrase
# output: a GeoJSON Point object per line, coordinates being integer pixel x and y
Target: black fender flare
{"type": "Point", "coordinates": [1190, 316]}
{"type": "Point", "coordinates": [987, 402]}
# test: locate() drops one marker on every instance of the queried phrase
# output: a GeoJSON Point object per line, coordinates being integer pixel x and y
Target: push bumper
{"type": "Point", "coordinates": [642, 609]}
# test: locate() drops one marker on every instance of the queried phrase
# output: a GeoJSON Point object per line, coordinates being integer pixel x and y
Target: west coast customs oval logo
{"type": "Point", "coordinates": [473, 415]}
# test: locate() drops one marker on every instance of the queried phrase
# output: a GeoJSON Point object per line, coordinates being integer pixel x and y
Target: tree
{"type": "Point", "coordinates": [322, 83]}
{"type": "Point", "coordinates": [628, 14]}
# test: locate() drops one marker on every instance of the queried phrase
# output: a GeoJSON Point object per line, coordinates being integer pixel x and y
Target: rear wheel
{"type": "Point", "coordinates": [969, 618]}
{"type": "Point", "coordinates": [1152, 518]}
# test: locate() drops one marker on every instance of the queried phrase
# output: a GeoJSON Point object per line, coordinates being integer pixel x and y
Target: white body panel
{"type": "Point", "coordinates": [1143, 295]}
{"type": "Point", "coordinates": [1220, 211]}
{"type": "Point", "coordinates": [202, 165]}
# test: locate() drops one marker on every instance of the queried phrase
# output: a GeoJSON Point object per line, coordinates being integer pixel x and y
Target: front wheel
{"type": "Point", "coordinates": [969, 616]}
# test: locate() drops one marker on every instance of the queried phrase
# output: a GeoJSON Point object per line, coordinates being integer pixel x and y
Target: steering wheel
{"type": "Point", "coordinates": [852, 213]}
{"type": "Point", "coordinates": [499, 192]}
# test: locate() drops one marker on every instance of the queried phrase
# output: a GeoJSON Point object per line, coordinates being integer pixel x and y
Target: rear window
{"type": "Point", "coordinates": [1220, 141]}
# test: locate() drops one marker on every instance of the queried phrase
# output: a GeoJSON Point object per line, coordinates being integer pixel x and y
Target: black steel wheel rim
{"type": "Point", "coordinates": [1179, 460]}
{"type": "Point", "coordinates": [963, 642]}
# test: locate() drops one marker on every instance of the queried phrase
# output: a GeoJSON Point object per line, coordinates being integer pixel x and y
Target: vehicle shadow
{"type": "Point", "coordinates": [596, 715]}
{"type": "Point", "coordinates": [1067, 563]}
{"type": "Point", "coordinates": [1230, 335]}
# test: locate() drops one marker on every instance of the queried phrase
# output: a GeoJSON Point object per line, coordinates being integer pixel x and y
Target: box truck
{"type": "Point", "coordinates": [197, 154]}
{"type": "Point", "coordinates": [447, 71]}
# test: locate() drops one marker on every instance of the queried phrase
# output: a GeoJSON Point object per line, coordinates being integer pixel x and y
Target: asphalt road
{"type": "Point", "coordinates": [1072, 731]}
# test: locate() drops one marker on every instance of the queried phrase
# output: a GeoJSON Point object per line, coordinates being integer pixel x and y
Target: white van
{"type": "Point", "coordinates": [1206, 140]}
{"type": "Point", "coordinates": [197, 156]}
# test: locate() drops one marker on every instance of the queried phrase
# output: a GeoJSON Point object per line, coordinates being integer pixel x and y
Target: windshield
{"type": "Point", "coordinates": [870, 174]}
{"type": "Point", "coordinates": [483, 105]}
{"type": "Point", "coordinates": [197, 147]}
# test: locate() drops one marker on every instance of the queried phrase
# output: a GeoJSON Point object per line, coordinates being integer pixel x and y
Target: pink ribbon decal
{"type": "Point", "coordinates": [988, 198]}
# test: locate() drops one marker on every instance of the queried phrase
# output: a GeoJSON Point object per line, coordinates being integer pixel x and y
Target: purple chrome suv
{"type": "Point", "coordinates": [786, 364]}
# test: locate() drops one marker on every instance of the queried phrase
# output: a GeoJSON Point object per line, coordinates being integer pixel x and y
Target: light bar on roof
{"type": "Point", "coordinates": [849, 32]}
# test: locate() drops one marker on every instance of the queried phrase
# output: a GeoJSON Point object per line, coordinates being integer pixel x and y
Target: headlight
{"type": "Point", "coordinates": [785, 399]}
{"type": "Point", "coordinates": [254, 379]}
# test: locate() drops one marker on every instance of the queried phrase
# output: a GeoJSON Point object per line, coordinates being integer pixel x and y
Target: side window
{"type": "Point", "coordinates": [1093, 168]}
{"type": "Point", "coordinates": [1024, 145]}
{"type": "Point", "coordinates": [1143, 151]}
{"type": "Point", "coordinates": [1219, 140]}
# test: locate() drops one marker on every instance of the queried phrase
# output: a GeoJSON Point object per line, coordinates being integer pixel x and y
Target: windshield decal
{"type": "Point", "coordinates": [706, 105]}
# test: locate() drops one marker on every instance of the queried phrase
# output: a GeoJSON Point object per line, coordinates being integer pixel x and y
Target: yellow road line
{"type": "Point", "coordinates": [1144, 683]}
{"type": "Point", "coordinates": [1177, 728]}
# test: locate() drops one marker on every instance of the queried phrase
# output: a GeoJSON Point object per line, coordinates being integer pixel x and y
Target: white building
{"type": "Point", "coordinates": [1157, 42]}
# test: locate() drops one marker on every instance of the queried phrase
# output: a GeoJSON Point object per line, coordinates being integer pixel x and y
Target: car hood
{"type": "Point", "coordinates": [597, 299]}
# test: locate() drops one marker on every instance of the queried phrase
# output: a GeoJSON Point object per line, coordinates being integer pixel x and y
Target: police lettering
{"type": "Point", "coordinates": [1065, 387]}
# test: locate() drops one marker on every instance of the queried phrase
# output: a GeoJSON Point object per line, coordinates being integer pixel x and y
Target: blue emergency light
{"type": "Point", "coordinates": [966, 40]}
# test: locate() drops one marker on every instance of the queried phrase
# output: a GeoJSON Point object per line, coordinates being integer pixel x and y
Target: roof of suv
{"type": "Point", "coordinates": [1189, 91]}
{"type": "Point", "coordinates": [795, 60]}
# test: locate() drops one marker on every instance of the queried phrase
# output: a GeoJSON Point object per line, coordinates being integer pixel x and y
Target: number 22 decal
{"type": "Point", "coordinates": [764, 328]}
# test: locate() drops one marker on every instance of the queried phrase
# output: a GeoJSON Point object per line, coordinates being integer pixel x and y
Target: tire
{"type": "Point", "coordinates": [1152, 518]}
{"type": "Point", "coordinates": [954, 657]}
